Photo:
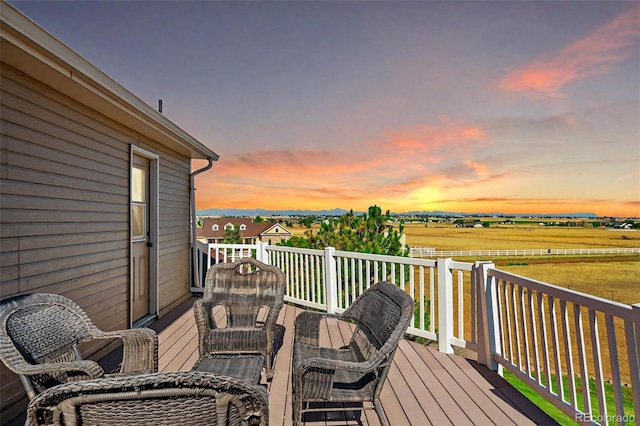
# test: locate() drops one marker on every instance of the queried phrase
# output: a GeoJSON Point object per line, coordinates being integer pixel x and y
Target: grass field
{"type": "Point", "coordinates": [512, 237]}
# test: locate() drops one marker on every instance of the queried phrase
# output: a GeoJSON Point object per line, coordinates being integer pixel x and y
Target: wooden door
{"type": "Point", "coordinates": [140, 241]}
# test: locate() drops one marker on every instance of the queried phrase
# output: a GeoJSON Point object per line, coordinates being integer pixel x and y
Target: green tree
{"type": "Point", "coordinates": [232, 235]}
{"type": "Point", "coordinates": [307, 221]}
{"type": "Point", "coordinates": [258, 219]}
{"type": "Point", "coordinates": [368, 233]}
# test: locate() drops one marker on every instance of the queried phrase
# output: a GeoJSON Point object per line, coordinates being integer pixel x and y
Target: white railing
{"type": "Point", "coordinates": [560, 341]}
{"type": "Point", "coordinates": [547, 336]}
{"type": "Point", "coordinates": [429, 252]}
{"type": "Point", "coordinates": [304, 270]}
{"type": "Point", "coordinates": [331, 280]}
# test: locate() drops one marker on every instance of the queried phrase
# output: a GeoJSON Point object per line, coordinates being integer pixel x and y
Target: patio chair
{"type": "Point", "coordinates": [354, 373]}
{"type": "Point", "coordinates": [239, 309]}
{"type": "Point", "coordinates": [39, 337]}
{"type": "Point", "coordinates": [179, 398]}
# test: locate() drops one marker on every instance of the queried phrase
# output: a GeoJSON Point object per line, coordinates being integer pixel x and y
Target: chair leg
{"type": "Point", "coordinates": [380, 413]}
{"type": "Point", "coordinates": [268, 366]}
{"type": "Point", "coordinates": [297, 406]}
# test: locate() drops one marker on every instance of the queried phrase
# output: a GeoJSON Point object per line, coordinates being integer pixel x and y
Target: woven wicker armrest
{"type": "Point", "coordinates": [307, 327]}
{"type": "Point", "coordinates": [140, 349]}
{"type": "Point", "coordinates": [87, 368]}
{"type": "Point", "coordinates": [202, 311]}
{"type": "Point", "coordinates": [274, 312]}
{"type": "Point", "coordinates": [334, 365]}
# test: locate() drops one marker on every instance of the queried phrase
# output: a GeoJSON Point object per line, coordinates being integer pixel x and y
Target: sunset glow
{"type": "Point", "coordinates": [512, 107]}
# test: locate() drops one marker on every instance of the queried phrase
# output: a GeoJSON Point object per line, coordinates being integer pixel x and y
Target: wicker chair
{"type": "Point", "coordinates": [250, 295]}
{"type": "Point", "coordinates": [182, 398]}
{"type": "Point", "coordinates": [357, 372]}
{"type": "Point", "coordinates": [39, 337]}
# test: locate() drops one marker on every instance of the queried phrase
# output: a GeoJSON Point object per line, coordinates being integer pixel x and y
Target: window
{"type": "Point", "coordinates": [243, 227]}
{"type": "Point", "coordinates": [215, 227]}
{"type": "Point", "coordinates": [138, 204]}
{"type": "Point", "coordinates": [277, 230]}
{"type": "Point", "coordinates": [139, 221]}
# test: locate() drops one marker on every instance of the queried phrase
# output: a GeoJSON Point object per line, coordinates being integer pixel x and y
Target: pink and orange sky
{"type": "Point", "coordinates": [513, 107]}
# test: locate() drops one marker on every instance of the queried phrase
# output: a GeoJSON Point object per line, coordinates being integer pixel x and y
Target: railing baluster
{"type": "Point", "coordinates": [354, 294]}
{"type": "Point", "coordinates": [508, 316]}
{"type": "Point", "coordinates": [460, 306]}
{"type": "Point", "coordinates": [516, 324]}
{"type": "Point", "coordinates": [615, 363]}
{"type": "Point", "coordinates": [421, 300]}
{"type": "Point", "coordinates": [545, 346]}
{"type": "Point", "coordinates": [412, 293]}
{"type": "Point", "coordinates": [634, 361]}
{"type": "Point", "coordinates": [556, 347]}
{"type": "Point", "coordinates": [597, 362]}
{"type": "Point", "coordinates": [534, 336]}
{"type": "Point", "coordinates": [525, 332]}
{"type": "Point", "coordinates": [432, 296]}
{"type": "Point", "coordinates": [360, 287]}
{"type": "Point", "coordinates": [633, 356]}
{"type": "Point", "coordinates": [582, 358]}
{"type": "Point", "coordinates": [571, 387]}
{"type": "Point", "coordinates": [502, 316]}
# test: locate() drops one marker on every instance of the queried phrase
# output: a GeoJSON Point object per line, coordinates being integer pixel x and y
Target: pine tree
{"type": "Point", "coordinates": [368, 233]}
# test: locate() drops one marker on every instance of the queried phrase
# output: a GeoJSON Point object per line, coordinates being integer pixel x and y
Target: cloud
{"type": "Point", "coordinates": [594, 54]}
{"type": "Point", "coordinates": [425, 138]}
{"type": "Point", "coordinates": [398, 165]}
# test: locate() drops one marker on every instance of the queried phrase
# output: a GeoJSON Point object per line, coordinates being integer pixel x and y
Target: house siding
{"type": "Point", "coordinates": [64, 200]}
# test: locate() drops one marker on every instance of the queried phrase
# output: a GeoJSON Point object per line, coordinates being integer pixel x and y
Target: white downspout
{"type": "Point", "coordinates": [195, 259]}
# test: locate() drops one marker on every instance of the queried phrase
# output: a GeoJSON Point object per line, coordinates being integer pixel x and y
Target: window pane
{"type": "Point", "coordinates": [138, 186]}
{"type": "Point", "coordinates": [139, 218]}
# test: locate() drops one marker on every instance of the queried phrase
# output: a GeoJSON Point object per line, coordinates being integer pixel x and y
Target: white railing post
{"type": "Point", "coordinates": [261, 252]}
{"type": "Point", "coordinates": [445, 305]}
{"type": "Point", "coordinates": [478, 274]}
{"type": "Point", "coordinates": [330, 280]}
{"type": "Point", "coordinates": [634, 362]}
{"type": "Point", "coordinates": [488, 328]}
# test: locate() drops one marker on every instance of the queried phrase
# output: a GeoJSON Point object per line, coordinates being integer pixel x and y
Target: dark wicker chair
{"type": "Point", "coordinates": [39, 337]}
{"type": "Point", "coordinates": [182, 398]}
{"type": "Point", "coordinates": [239, 309]}
{"type": "Point", "coordinates": [357, 372]}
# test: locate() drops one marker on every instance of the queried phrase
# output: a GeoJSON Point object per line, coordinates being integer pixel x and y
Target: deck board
{"type": "Point", "coordinates": [424, 386]}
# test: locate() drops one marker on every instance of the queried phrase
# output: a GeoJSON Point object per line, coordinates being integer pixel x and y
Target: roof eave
{"type": "Point", "coordinates": [29, 48]}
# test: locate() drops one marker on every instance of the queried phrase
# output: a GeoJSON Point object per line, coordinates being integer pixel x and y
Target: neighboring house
{"type": "Point", "coordinates": [213, 229]}
{"type": "Point", "coordinates": [95, 192]}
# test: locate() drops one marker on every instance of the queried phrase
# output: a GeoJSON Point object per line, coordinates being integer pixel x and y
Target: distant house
{"type": "Point", "coordinates": [213, 230]}
{"type": "Point", "coordinates": [96, 189]}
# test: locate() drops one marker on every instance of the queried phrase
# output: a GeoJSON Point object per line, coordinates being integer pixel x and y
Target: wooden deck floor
{"type": "Point", "coordinates": [424, 386]}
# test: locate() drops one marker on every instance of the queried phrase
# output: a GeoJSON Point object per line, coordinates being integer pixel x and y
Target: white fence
{"type": "Point", "coordinates": [547, 336]}
{"type": "Point", "coordinates": [420, 252]}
